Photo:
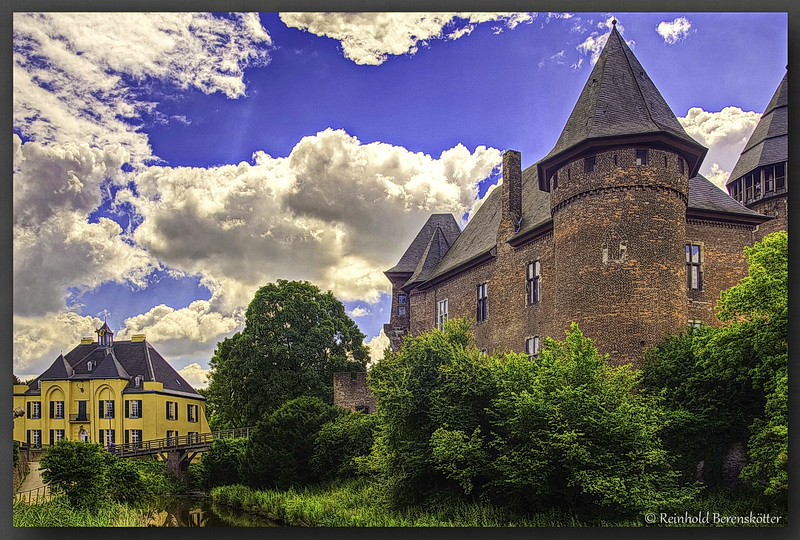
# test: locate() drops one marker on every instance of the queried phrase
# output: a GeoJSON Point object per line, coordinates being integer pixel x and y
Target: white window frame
{"type": "Point", "coordinates": [36, 437]}
{"type": "Point", "coordinates": [135, 410]}
{"type": "Point", "coordinates": [532, 346]}
{"type": "Point", "coordinates": [694, 266]}
{"type": "Point", "coordinates": [442, 313]}
{"type": "Point", "coordinates": [58, 413]}
{"type": "Point", "coordinates": [36, 410]}
{"type": "Point", "coordinates": [534, 282]}
{"type": "Point", "coordinates": [58, 434]}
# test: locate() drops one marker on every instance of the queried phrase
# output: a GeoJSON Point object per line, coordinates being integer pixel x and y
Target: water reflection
{"type": "Point", "coordinates": [200, 512]}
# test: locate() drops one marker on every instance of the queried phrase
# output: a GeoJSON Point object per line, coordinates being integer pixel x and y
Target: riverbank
{"type": "Point", "coordinates": [358, 503]}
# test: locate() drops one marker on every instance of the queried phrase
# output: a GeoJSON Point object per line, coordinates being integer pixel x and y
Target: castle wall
{"type": "Point", "coordinates": [777, 208]}
{"type": "Point", "coordinates": [723, 264]}
{"type": "Point", "coordinates": [350, 391]}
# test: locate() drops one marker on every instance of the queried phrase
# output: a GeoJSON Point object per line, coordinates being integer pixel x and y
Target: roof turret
{"type": "Point", "coordinates": [619, 104]}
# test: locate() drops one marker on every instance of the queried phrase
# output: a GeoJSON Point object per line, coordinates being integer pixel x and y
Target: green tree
{"type": "Point", "coordinates": [279, 450]}
{"type": "Point", "coordinates": [220, 465]}
{"type": "Point", "coordinates": [295, 338]}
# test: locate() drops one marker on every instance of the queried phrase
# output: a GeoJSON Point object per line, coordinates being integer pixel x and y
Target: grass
{"type": "Point", "coordinates": [358, 503]}
{"type": "Point", "coordinates": [58, 513]}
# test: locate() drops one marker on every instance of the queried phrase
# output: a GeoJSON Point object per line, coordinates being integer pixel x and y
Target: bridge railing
{"type": "Point", "coordinates": [34, 496]}
{"type": "Point", "coordinates": [181, 442]}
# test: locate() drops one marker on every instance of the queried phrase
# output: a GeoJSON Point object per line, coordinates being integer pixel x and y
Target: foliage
{"type": "Point", "coordinates": [340, 443]}
{"type": "Point", "coordinates": [16, 453]}
{"type": "Point", "coordinates": [91, 478]}
{"type": "Point", "coordinates": [729, 383]}
{"type": "Point", "coordinates": [79, 470]}
{"type": "Point", "coordinates": [221, 462]}
{"type": "Point", "coordinates": [564, 430]}
{"type": "Point", "coordinates": [295, 338]}
{"type": "Point", "coordinates": [280, 447]}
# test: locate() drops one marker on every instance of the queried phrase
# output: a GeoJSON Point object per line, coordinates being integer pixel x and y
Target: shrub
{"type": "Point", "coordinates": [79, 470]}
{"type": "Point", "coordinates": [340, 442]}
{"type": "Point", "coordinates": [280, 447]}
{"type": "Point", "coordinates": [220, 465]}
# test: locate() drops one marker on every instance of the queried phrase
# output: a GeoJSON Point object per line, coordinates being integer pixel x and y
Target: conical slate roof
{"type": "Point", "coordinates": [449, 229]}
{"type": "Point", "coordinates": [59, 369]}
{"type": "Point", "coordinates": [769, 142]}
{"type": "Point", "coordinates": [619, 102]}
{"type": "Point", "coordinates": [110, 368]}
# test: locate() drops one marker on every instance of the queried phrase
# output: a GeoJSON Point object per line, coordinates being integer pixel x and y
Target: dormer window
{"type": "Point", "coordinates": [89, 365]}
{"type": "Point", "coordinates": [137, 381]}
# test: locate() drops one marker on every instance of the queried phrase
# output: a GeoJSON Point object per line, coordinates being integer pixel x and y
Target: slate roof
{"type": "Point", "coordinates": [410, 259]}
{"type": "Point", "coordinates": [769, 142]}
{"type": "Point", "coordinates": [704, 195]}
{"type": "Point", "coordinates": [620, 100]}
{"type": "Point", "coordinates": [434, 252]}
{"type": "Point", "coordinates": [124, 360]}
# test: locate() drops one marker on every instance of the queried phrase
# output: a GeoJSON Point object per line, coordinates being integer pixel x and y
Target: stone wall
{"type": "Point", "coordinates": [778, 208]}
{"type": "Point", "coordinates": [350, 391]}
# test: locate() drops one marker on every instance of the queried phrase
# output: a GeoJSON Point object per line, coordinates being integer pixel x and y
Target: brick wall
{"type": "Point", "coordinates": [350, 391]}
{"type": "Point", "coordinates": [778, 208]}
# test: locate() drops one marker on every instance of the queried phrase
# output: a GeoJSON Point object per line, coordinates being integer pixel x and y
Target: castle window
{"type": "Point", "coordinates": [665, 161]}
{"type": "Point", "coordinates": [769, 180]}
{"type": "Point", "coordinates": [401, 299]}
{"type": "Point", "coordinates": [589, 164]}
{"type": "Point", "coordinates": [362, 409]}
{"type": "Point", "coordinates": [133, 408]}
{"type": "Point", "coordinates": [441, 314]}
{"type": "Point", "coordinates": [401, 310]}
{"type": "Point", "coordinates": [780, 176]}
{"type": "Point", "coordinates": [681, 165]}
{"type": "Point", "coordinates": [483, 302]}
{"type": "Point", "coordinates": [533, 282]}
{"type": "Point", "coordinates": [641, 157]}
{"type": "Point", "coordinates": [57, 409]}
{"type": "Point", "coordinates": [34, 410]}
{"type": "Point", "coordinates": [56, 435]}
{"type": "Point", "coordinates": [615, 159]}
{"type": "Point", "coordinates": [748, 184]}
{"type": "Point", "coordinates": [35, 438]}
{"type": "Point", "coordinates": [555, 179]}
{"type": "Point", "coordinates": [106, 408]}
{"type": "Point", "coordinates": [694, 272]}
{"type": "Point", "coordinates": [532, 346]}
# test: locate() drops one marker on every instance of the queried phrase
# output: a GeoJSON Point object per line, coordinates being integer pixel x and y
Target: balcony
{"type": "Point", "coordinates": [79, 417]}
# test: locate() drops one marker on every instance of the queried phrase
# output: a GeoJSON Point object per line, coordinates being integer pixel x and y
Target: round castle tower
{"type": "Point", "coordinates": [618, 179]}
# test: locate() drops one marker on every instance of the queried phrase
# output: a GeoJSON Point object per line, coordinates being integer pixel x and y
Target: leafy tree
{"type": "Point", "coordinates": [340, 443]}
{"type": "Point", "coordinates": [295, 338]}
{"type": "Point", "coordinates": [279, 451]}
{"type": "Point", "coordinates": [79, 470]}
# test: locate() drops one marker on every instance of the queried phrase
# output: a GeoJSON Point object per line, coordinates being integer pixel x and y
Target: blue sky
{"type": "Point", "coordinates": [167, 165]}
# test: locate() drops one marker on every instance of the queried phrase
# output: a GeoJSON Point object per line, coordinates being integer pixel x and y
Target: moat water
{"type": "Point", "coordinates": [201, 512]}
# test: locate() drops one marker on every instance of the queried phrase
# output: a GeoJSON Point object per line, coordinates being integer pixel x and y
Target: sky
{"type": "Point", "coordinates": [167, 165]}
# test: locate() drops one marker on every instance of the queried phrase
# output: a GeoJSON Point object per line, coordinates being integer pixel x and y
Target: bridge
{"type": "Point", "coordinates": [177, 452]}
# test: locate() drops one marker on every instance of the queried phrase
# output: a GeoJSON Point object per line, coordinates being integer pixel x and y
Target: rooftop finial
{"type": "Point", "coordinates": [614, 22]}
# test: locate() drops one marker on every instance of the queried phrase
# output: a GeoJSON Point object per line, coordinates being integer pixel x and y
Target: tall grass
{"type": "Point", "coordinates": [58, 513]}
{"type": "Point", "coordinates": [359, 503]}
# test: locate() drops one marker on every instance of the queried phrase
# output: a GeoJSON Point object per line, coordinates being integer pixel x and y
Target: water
{"type": "Point", "coordinates": [201, 512]}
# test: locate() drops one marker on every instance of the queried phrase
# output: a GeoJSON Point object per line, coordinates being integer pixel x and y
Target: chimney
{"type": "Point", "coordinates": [512, 187]}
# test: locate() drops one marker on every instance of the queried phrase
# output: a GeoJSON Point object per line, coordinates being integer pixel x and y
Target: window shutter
{"type": "Point", "coordinates": [112, 408]}
{"type": "Point", "coordinates": [168, 405]}
{"type": "Point", "coordinates": [141, 415]}
{"type": "Point", "coordinates": [127, 435]}
{"type": "Point", "coordinates": [102, 440]}
{"type": "Point", "coordinates": [29, 415]}
{"type": "Point", "coordinates": [176, 410]}
{"type": "Point", "coordinates": [127, 413]}
{"type": "Point", "coordinates": [52, 409]}
{"type": "Point", "coordinates": [52, 435]}
{"type": "Point", "coordinates": [28, 435]}
{"type": "Point", "coordinates": [101, 408]}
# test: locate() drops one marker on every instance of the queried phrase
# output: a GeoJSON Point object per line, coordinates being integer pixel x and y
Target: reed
{"type": "Point", "coordinates": [58, 513]}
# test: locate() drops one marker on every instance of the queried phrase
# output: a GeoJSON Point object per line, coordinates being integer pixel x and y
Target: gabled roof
{"type": "Point", "coordinates": [109, 368]}
{"type": "Point", "coordinates": [769, 142]}
{"type": "Point", "coordinates": [619, 102]}
{"type": "Point", "coordinates": [434, 252]}
{"type": "Point", "coordinates": [410, 259]}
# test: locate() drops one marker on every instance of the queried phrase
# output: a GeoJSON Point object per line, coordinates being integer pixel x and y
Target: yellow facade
{"type": "Point", "coordinates": [151, 423]}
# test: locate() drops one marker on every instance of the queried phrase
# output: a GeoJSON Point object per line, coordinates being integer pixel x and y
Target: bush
{"type": "Point", "coordinates": [564, 430]}
{"type": "Point", "coordinates": [340, 442]}
{"type": "Point", "coordinates": [79, 470]}
{"type": "Point", "coordinates": [220, 465]}
{"type": "Point", "coordinates": [280, 447]}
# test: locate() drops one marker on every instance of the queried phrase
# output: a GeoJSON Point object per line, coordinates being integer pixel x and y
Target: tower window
{"type": "Point", "coordinates": [590, 164]}
{"type": "Point", "coordinates": [615, 159]}
{"type": "Point", "coordinates": [401, 299]}
{"type": "Point", "coordinates": [780, 176]}
{"type": "Point", "coordinates": [641, 157]}
{"type": "Point", "coordinates": [533, 271]}
{"type": "Point", "coordinates": [665, 161]}
{"type": "Point", "coordinates": [441, 313]}
{"type": "Point", "coordinates": [401, 310]}
{"type": "Point", "coordinates": [555, 180]}
{"type": "Point", "coordinates": [681, 165]}
{"type": "Point", "coordinates": [694, 271]}
{"type": "Point", "coordinates": [483, 302]}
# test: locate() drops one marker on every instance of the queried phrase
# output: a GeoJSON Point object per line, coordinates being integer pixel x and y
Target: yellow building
{"type": "Point", "coordinates": [111, 392]}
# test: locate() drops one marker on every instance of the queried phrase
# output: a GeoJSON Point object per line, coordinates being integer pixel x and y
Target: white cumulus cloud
{"type": "Point", "coordinates": [724, 133]}
{"type": "Point", "coordinates": [39, 340]}
{"type": "Point", "coordinates": [377, 347]}
{"type": "Point", "coordinates": [195, 375]}
{"type": "Point", "coordinates": [674, 31]}
{"type": "Point", "coordinates": [369, 38]}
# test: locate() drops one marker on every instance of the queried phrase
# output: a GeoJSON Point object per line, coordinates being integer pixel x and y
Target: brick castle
{"type": "Point", "coordinates": [614, 229]}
